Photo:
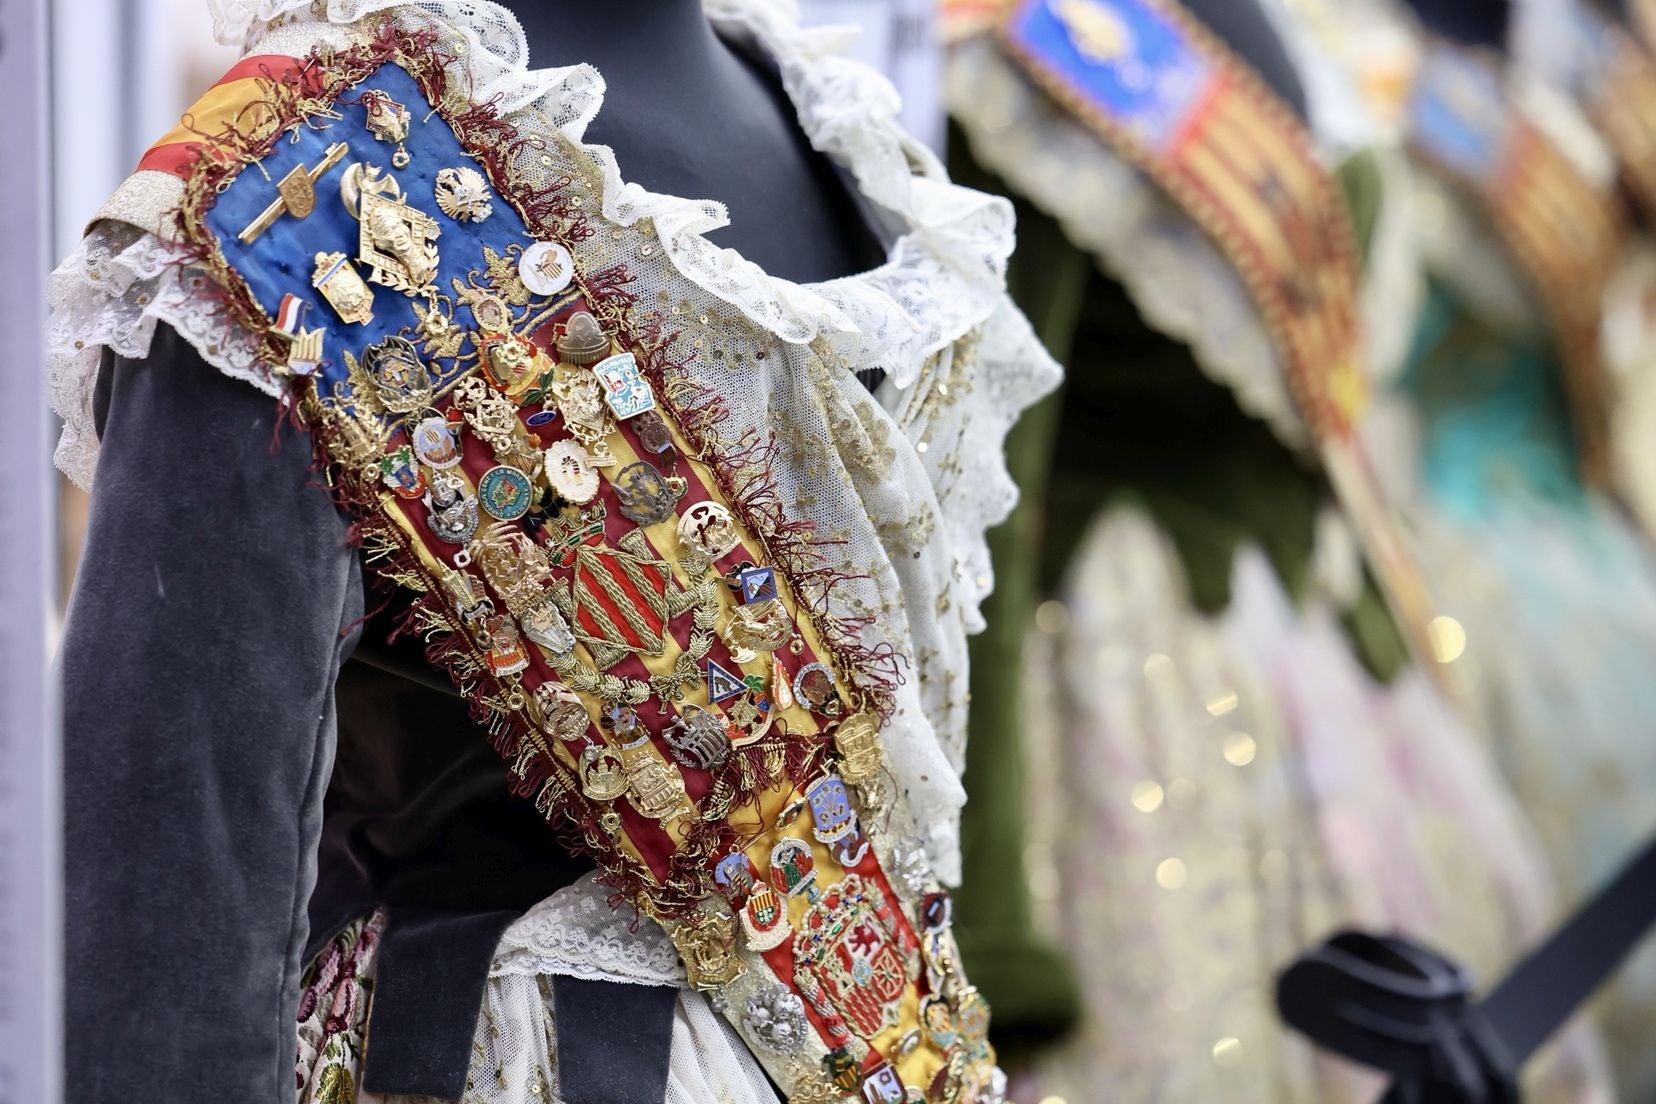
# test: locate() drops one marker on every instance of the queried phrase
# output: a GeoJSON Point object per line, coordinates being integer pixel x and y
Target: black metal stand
{"type": "Point", "coordinates": [1392, 1004]}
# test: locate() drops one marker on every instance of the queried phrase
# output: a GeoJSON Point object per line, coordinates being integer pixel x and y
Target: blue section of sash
{"type": "Point", "coordinates": [1459, 114]}
{"type": "Point", "coordinates": [282, 259]}
{"type": "Point", "coordinates": [1126, 58]}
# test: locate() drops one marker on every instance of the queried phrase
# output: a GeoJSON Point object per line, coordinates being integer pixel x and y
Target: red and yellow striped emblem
{"type": "Point", "coordinates": [621, 599]}
{"type": "Point", "coordinates": [240, 103]}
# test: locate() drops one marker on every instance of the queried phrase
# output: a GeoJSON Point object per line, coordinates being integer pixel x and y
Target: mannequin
{"type": "Point", "coordinates": [459, 860]}
{"type": "Point", "coordinates": [1469, 22]}
{"type": "Point", "coordinates": [1247, 30]}
{"type": "Point", "coordinates": [1077, 426]}
{"type": "Point", "coordinates": [745, 149]}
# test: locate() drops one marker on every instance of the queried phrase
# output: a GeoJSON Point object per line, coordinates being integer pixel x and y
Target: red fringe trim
{"type": "Point", "coordinates": [742, 469]}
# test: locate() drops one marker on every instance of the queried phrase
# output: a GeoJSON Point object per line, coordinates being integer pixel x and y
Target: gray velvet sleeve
{"type": "Point", "coordinates": [215, 602]}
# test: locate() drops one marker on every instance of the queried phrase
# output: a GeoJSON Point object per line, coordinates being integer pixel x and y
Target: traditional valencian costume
{"type": "Point", "coordinates": [1523, 411]}
{"type": "Point", "coordinates": [1247, 755]}
{"type": "Point", "coordinates": [704, 594]}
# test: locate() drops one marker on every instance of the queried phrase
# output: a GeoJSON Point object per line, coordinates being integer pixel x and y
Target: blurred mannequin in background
{"type": "Point", "coordinates": [1228, 748]}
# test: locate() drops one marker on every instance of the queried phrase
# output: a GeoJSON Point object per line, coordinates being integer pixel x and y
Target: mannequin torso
{"type": "Point", "coordinates": [1469, 22]}
{"type": "Point", "coordinates": [1245, 29]}
{"type": "Point", "coordinates": [688, 114]}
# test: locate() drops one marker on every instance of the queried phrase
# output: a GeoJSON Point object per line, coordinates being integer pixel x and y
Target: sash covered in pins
{"type": "Point", "coordinates": [610, 582]}
{"type": "Point", "coordinates": [1618, 87]}
{"type": "Point", "coordinates": [1170, 98]}
{"type": "Point", "coordinates": [1560, 227]}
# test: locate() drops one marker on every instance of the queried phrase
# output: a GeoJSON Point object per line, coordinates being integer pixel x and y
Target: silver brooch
{"type": "Point", "coordinates": [463, 195]}
{"type": "Point", "coordinates": [775, 1019]}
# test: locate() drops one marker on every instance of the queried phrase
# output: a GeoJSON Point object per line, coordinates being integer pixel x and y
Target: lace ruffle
{"type": "Point", "coordinates": [1175, 275]}
{"type": "Point", "coordinates": [110, 293]}
{"type": "Point", "coordinates": [576, 933]}
{"type": "Point", "coordinates": [515, 1048]}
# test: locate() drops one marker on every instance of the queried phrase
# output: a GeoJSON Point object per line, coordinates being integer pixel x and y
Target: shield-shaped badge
{"type": "Point", "coordinates": [298, 191]}
{"type": "Point", "coordinates": [343, 287]}
{"type": "Point", "coordinates": [401, 474]}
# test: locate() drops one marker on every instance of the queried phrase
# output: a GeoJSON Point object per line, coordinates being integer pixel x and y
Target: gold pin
{"type": "Point", "coordinates": [343, 287]}
{"type": "Point", "coordinates": [295, 194]}
{"type": "Point", "coordinates": [389, 121]}
{"type": "Point", "coordinates": [397, 241]}
{"type": "Point", "coordinates": [304, 352]}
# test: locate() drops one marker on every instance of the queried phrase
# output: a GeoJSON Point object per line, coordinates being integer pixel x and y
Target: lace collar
{"type": "Point", "coordinates": [954, 239]}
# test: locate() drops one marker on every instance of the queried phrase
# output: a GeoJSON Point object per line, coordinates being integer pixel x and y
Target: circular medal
{"type": "Point", "coordinates": [708, 528]}
{"type": "Point", "coordinates": [505, 493]}
{"type": "Point", "coordinates": [569, 469]}
{"type": "Point", "coordinates": [435, 444]}
{"type": "Point", "coordinates": [814, 685]}
{"type": "Point", "coordinates": [546, 268]}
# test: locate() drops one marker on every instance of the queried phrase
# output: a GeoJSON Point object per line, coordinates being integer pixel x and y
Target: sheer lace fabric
{"type": "Point", "coordinates": [111, 292]}
{"type": "Point", "coordinates": [576, 933]}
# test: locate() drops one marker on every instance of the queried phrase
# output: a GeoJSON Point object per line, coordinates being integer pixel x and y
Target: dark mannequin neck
{"type": "Point", "coordinates": [1246, 30]}
{"type": "Point", "coordinates": [687, 114]}
{"type": "Point", "coordinates": [615, 35]}
{"type": "Point", "coordinates": [1468, 22]}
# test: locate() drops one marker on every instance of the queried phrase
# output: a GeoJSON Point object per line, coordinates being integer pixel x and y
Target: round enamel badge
{"type": "Point", "coordinates": [505, 493]}
{"type": "Point", "coordinates": [546, 268]}
{"type": "Point", "coordinates": [569, 469]}
{"type": "Point", "coordinates": [435, 444]}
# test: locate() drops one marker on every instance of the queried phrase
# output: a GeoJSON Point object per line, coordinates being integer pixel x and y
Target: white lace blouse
{"type": "Point", "coordinates": [911, 477]}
